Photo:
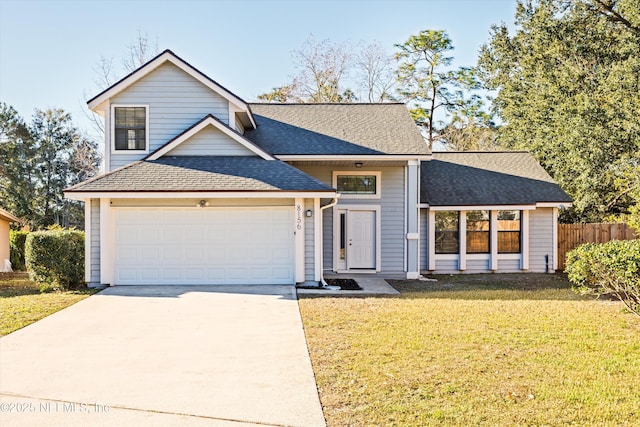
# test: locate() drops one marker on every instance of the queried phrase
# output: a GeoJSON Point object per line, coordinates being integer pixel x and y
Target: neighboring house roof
{"type": "Point", "coordinates": [7, 216]}
{"type": "Point", "coordinates": [336, 129]}
{"type": "Point", "coordinates": [208, 120]}
{"type": "Point", "coordinates": [168, 56]}
{"type": "Point", "coordinates": [487, 178]}
{"type": "Point", "coordinates": [203, 173]}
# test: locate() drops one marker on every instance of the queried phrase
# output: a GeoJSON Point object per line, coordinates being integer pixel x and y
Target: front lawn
{"type": "Point", "coordinates": [22, 303]}
{"type": "Point", "coordinates": [475, 350]}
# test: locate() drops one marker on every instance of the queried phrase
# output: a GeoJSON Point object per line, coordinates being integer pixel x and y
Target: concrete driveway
{"type": "Point", "coordinates": [227, 356]}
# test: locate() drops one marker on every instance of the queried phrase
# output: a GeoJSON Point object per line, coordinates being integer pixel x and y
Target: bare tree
{"type": "Point", "coordinates": [375, 72]}
{"type": "Point", "coordinates": [138, 53]}
{"type": "Point", "coordinates": [322, 71]}
{"type": "Point", "coordinates": [323, 66]}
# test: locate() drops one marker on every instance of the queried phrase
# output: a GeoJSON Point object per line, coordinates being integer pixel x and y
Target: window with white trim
{"type": "Point", "coordinates": [357, 184]}
{"type": "Point", "coordinates": [446, 232]}
{"type": "Point", "coordinates": [478, 232]}
{"type": "Point", "coordinates": [130, 131]}
{"type": "Point", "coordinates": [509, 232]}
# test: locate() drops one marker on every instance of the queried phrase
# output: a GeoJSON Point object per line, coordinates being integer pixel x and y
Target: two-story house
{"type": "Point", "coordinates": [201, 187]}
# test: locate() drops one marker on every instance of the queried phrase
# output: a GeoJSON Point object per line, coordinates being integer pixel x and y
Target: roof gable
{"type": "Point", "coordinates": [336, 129]}
{"type": "Point", "coordinates": [168, 56]}
{"type": "Point", "coordinates": [242, 145]}
{"type": "Point", "coordinates": [487, 179]}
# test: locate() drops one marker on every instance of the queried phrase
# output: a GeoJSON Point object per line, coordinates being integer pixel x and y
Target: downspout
{"type": "Point", "coordinates": [334, 202]}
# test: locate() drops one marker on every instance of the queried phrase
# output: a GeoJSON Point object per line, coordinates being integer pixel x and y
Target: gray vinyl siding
{"type": "Point", "coordinates": [478, 265]}
{"type": "Point", "coordinates": [176, 101]}
{"type": "Point", "coordinates": [447, 266]}
{"type": "Point", "coordinates": [210, 142]}
{"type": "Point", "coordinates": [95, 241]}
{"type": "Point", "coordinates": [309, 243]}
{"type": "Point", "coordinates": [327, 239]}
{"type": "Point", "coordinates": [424, 239]}
{"type": "Point", "coordinates": [392, 212]}
{"type": "Point", "coordinates": [540, 239]}
{"type": "Point", "coordinates": [509, 265]}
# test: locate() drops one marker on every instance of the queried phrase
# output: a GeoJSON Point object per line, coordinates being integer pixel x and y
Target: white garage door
{"type": "Point", "coordinates": [156, 246]}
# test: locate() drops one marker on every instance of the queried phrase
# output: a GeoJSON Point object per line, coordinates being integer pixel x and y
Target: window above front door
{"type": "Point", "coordinates": [357, 184]}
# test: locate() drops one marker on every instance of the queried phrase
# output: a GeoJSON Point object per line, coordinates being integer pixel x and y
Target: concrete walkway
{"type": "Point", "coordinates": [214, 356]}
{"type": "Point", "coordinates": [372, 285]}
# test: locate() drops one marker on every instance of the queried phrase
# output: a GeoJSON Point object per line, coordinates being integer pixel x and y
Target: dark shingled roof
{"type": "Point", "coordinates": [203, 173]}
{"type": "Point", "coordinates": [487, 178]}
{"type": "Point", "coordinates": [335, 129]}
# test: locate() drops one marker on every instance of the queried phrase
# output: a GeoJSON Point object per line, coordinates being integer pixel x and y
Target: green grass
{"type": "Point", "coordinates": [506, 350]}
{"type": "Point", "coordinates": [22, 303]}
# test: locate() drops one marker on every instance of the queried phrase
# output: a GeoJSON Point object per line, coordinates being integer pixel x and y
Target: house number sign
{"type": "Point", "coordinates": [298, 217]}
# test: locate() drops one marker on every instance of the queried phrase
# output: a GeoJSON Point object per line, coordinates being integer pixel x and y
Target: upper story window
{"type": "Point", "coordinates": [357, 184]}
{"type": "Point", "coordinates": [478, 232]}
{"type": "Point", "coordinates": [130, 128]}
{"type": "Point", "coordinates": [509, 231]}
{"type": "Point", "coordinates": [446, 228]}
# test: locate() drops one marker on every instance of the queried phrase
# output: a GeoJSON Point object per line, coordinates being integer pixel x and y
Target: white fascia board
{"type": "Point", "coordinates": [149, 67]}
{"type": "Point", "coordinates": [224, 129]}
{"type": "Point", "coordinates": [483, 208]}
{"type": "Point", "coordinates": [351, 157]}
{"type": "Point", "coordinates": [553, 205]}
{"type": "Point", "coordinates": [202, 195]}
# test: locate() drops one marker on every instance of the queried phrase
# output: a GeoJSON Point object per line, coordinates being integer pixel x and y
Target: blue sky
{"type": "Point", "coordinates": [49, 48]}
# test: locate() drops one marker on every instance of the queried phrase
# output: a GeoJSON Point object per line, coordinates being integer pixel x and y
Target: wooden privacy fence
{"type": "Point", "coordinates": [573, 235]}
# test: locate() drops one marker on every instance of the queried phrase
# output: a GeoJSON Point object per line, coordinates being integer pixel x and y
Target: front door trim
{"type": "Point", "coordinates": [340, 208]}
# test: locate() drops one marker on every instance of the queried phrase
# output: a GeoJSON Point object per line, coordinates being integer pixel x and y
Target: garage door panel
{"type": "Point", "coordinates": [204, 246]}
{"type": "Point", "coordinates": [280, 273]}
{"type": "Point", "coordinates": [196, 274]}
{"type": "Point", "coordinates": [148, 274]}
{"type": "Point", "coordinates": [148, 254]}
{"type": "Point", "coordinates": [171, 275]}
{"type": "Point", "coordinates": [126, 254]}
{"type": "Point", "coordinates": [171, 234]}
{"type": "Point", "coordinates": [172, 254]}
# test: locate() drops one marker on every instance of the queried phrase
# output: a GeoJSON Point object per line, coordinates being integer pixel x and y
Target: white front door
{"type": "Point", "coordinates": [361, 241]}
{"type": "Point", "coordinates": [356, 239]}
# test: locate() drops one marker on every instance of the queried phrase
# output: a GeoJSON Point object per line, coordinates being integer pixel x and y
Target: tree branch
{"type": "Point", "coordinates": [607, 9]}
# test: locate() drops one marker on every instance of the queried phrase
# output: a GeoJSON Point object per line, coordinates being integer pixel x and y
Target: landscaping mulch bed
{"type": "Point", "coordinates": [345, 284]}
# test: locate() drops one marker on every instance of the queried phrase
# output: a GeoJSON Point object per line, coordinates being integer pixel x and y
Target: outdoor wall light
{"type": "Point", "coordinates": [202, 204]}
{"type": "Point", "coordinates": [308, 213]}
{"type": "Point", "coordinates": [358, 164]}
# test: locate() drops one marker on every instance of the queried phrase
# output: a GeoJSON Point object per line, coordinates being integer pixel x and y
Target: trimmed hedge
{"type": "Point", "coordinates": [607, 268]}
{"type": "Point", "coordinates": [55, 258]}
{"type": "Point", "coordinates": [17, 240]}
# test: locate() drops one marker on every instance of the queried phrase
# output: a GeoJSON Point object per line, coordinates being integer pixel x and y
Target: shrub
{"type": "Point", "coordinates": [17, 240]}
{"type": "Point", "coordinates": [607, 268]}
{"type": "Point", "coordinates": [55, 258]}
